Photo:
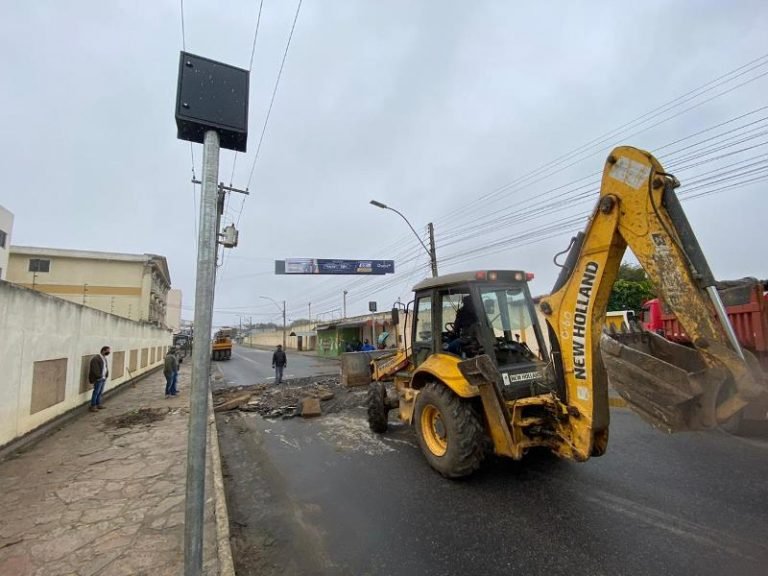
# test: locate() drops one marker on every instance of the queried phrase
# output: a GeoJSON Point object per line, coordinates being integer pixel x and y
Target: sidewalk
{"type": "Point", "coordinates": [102, 497]}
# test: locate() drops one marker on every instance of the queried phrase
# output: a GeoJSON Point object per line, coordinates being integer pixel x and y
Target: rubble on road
{"type": "Point", "coordinates": [297, 397]}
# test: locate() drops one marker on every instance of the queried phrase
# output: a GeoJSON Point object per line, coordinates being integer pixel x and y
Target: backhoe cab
{"type": "Point", "coordinates": [477, 375]}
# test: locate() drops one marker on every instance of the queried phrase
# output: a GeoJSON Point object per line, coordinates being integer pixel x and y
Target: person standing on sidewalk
{"type": "Point", "coordinates": [279, 361]}
{"type": "Point", "coordinates": [98, 372]}
{"type": "Point", "coordinates": [171, 372]}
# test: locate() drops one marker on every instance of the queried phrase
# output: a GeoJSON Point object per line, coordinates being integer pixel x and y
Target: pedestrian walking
{"type": "Point", "coordinates": [279, 361]}
{"type": "Point", "coordinates": [98, 372]}
{"type": "Point", "coordinates": [171, 372]}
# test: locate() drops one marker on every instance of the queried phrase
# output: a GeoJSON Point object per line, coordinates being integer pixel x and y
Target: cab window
{"type": "Point", "coordinates": [422, 341]}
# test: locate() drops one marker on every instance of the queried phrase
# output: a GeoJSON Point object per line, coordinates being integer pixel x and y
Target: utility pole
{"type": "Point", "coordinates": [283, 324]}
{"type": "Point", "coordinates": [373, 329]}
{"type": "Point", "coordinates": [212, 109]}
{"type": "Point", "coordinates": [432, 252]}
{"type": "Point", "coordinates": [344, 309]}
{"type": "Point", "coordinates": [201, 356]}
{"type": "Point", "coordinates": [309, 313]}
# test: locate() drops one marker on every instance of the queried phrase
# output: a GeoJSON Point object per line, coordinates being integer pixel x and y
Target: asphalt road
{"type": "Point", "coordinates": [326, 496]}
{"type": "Point", "coordinates": [254, 365]}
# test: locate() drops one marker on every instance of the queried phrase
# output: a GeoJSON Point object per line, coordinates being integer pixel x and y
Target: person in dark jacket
{"type": "Point", "coordinates": [279, 361]}
{"type": "Point", "coordinates": [171, 372]}
{"type": "Point", "coordinates": [98, 372]}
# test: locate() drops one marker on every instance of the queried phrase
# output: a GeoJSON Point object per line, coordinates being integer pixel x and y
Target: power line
{"type": "Point", "coordinates": [191, 149]}
{"type": "Point", "coordinates": [521, 213]}
{"type": "Point", "coordinates": [255, 35]}
{"type": "Point", "coordinates": [183, 31]}
{"type": "Point", "coordinates": [250, 68]}
{"type": "Point", "coordinates": [272, 100]}
{"type": "Point", "coordinates": [547, 169]}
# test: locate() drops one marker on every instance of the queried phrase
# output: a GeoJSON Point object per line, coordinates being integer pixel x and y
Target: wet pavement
{"type": "Point", "coordinates": [326, 496]}
{"type": "Point", "coordinates": [254, 366]}
{"type": "Point", "coordinates": [104, 495]}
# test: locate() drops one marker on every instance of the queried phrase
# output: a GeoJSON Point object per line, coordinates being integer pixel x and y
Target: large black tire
{"type": "Point", "coordinates": [378, 414]}
{"type": "Point", "coordinates": [449, 431]}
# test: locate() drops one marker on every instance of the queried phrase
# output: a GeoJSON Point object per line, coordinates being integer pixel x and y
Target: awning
{"type": "Point", "coordinates": [342, 324]}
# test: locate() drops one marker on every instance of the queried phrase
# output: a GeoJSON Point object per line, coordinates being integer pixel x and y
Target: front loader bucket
{"type": "Point", "coordinates": [666, 384]}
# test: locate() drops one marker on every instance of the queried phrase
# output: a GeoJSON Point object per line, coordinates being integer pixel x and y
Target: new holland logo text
{"type": "Point", "coordinates": [580, 326]}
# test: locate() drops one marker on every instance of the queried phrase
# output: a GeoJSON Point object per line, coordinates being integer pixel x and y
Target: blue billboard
{"type": "Point", "coordinates": [333, 266]}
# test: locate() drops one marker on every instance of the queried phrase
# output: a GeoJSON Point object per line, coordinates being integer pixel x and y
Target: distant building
{"type": "Point", "coordinates": [6, 228]}
{"type": "Point", "coordinates": [133, 286]}
{"type": "Point", "coordinates": [173, 311]}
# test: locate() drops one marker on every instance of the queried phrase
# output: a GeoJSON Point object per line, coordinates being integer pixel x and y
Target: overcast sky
{"type": "Point", "coordinates": [428, 106]}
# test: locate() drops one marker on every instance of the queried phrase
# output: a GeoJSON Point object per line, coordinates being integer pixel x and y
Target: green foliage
{"type": "Point", "coordinates": [629, 295]}
{"type": "Point", "coordinates": [631, 289]}
{"type": "Point", "coordinates": [632, 272]}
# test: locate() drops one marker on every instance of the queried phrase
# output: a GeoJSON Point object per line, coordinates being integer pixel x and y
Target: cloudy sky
{"type": "Point", "coordinates": [487, 118]}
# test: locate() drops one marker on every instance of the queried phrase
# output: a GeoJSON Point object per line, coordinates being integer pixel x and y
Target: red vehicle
{"type": "Point", "coordinates": [746, 302]}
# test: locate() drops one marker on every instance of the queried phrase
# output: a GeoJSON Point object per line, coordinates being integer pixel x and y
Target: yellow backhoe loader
{"type": "Point", "coordinates": [477, 376]}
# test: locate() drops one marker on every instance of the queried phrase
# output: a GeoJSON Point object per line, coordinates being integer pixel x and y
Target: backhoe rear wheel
{"type": "Point", "coordinates": [449, 431]}
{"type": "Point", "coordinates": [378, 413]}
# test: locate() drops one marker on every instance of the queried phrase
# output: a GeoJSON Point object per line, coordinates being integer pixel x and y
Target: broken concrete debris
{"type": "Point", "coordinates": [310, 407]}
{"type": "Point", "coordinates": [304, 397]}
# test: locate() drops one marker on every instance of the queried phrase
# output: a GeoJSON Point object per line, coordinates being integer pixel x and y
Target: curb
{"type": "Point", "coordinates": [223, 545]}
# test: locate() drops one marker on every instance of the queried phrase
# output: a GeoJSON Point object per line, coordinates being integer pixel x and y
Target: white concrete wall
{"type": "Point", "coordinates": [6, 225]}
{"type": "Point", "coordinates": [273, 338]}
{"type": "Point", "coordinates": [36, 326]}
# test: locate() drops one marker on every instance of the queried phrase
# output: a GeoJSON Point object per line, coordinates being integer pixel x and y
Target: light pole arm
{"type": "Point", "coordinates": [412, 230]}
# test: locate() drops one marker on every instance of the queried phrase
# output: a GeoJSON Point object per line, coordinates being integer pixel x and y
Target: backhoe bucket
{"type": "Point", "coordinates": [666, 384]}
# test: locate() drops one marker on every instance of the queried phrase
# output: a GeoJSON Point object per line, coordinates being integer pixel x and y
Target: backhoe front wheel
{"type": "Point", "coordinates": [378, 412]}
{"type": "Point", "coordinates": [449, 431]}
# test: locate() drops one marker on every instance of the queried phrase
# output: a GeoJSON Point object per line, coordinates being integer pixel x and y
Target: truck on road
{"type": "Point", "coordinates": [221, 347]}
{"type": "Point", "coordinates": [746, 303]}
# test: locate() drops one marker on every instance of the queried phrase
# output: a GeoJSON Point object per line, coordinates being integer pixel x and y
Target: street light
{"type": "Point", "coordinates": [431, 250]}
{"type": "Point", "coordinates": [281, 309]}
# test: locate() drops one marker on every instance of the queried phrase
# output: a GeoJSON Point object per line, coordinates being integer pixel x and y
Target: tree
{"type": "Point", "coordinates": [631, 289]}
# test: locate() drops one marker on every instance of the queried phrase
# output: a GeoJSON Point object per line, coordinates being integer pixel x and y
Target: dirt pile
{"type": "Point", "coordinates": [285, 400]}
{"type": "Point", "coordinates": [137, 417]}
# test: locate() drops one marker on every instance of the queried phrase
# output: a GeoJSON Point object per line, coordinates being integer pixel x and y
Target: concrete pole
{"type": "Point", "coordinates": [284, 325]}
{"type": "Point", "coordinates": [432, 252]}
{"type": "Point", "coordinates": [373, 329]}
{"type": "Point", "coordinates": [201, 360]}
{"type": "Point", "coordinates": [344, 315]}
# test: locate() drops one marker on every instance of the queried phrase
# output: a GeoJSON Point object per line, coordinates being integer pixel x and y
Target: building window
{"type": "Point", "coordinates": [3, 237]}
{"type": "Point", "coordinates": [39, 265]}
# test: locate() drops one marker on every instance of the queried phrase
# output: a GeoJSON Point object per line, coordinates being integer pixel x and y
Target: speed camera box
{"type": "Point", "coordinates": [212, 96]}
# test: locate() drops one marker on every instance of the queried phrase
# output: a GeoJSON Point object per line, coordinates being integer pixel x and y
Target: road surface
{"type": "Point", "coordinates": [326, 496]}
{"type": "Point", "coordinates": [254, 365]}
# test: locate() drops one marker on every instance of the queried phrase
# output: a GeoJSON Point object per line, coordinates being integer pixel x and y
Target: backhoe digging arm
{"type": "Point", "coordinates": [673, 387]}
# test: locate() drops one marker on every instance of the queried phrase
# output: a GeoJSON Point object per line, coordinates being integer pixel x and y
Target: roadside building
{"type": "Point", "coordinates": [173, 310]}
{"type": "Point", "coordinates": [134, 286]}
{"type": "Point", "coordinates": [333, 337]}
{"type": "Point", "coordinates": [6, 228]}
